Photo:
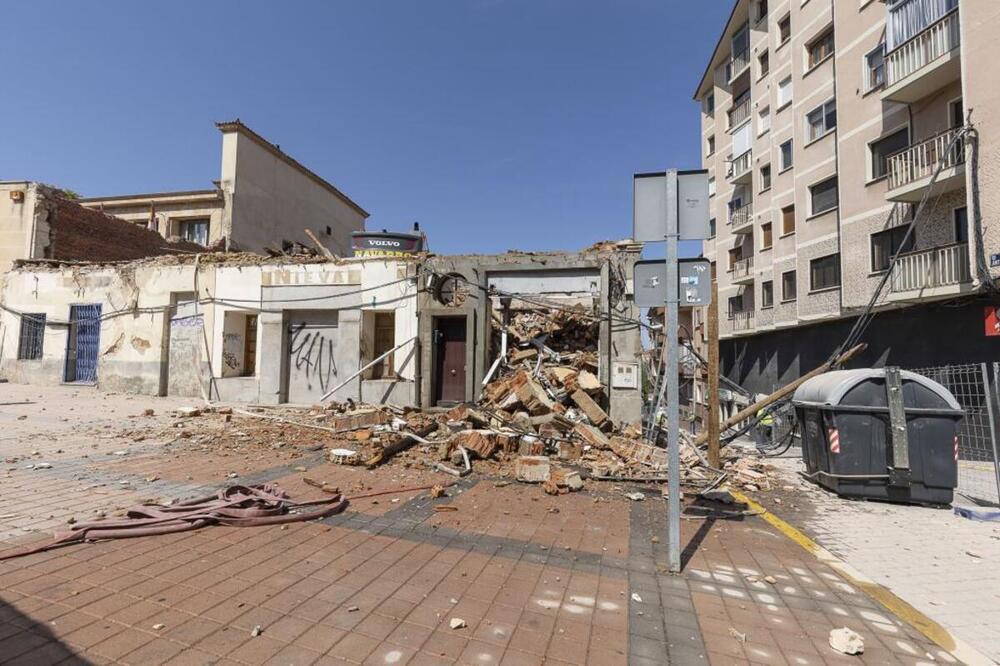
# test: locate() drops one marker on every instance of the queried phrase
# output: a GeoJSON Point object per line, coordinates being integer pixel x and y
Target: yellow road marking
{"type": "Point", "coordinates": [901, 609]}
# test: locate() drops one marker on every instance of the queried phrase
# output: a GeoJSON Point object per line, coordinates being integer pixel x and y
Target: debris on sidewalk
{"type": "Point", "coordinates": [846, 641]}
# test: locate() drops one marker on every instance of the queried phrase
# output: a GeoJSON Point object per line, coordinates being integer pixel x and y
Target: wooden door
{"type": "Point", "coordinates": [449, 352]}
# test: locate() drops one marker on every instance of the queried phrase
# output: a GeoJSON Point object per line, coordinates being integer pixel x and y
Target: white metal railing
{"type": "Point", "coordinates": [742, 216]}
{"type": "Point", "coordinates": [737, 64]}
{"type": "Point", "coordinates": [937, 267]}
{"type": "Point", "coordinates": [741, 268]}
{"type": "Point", "coordinates": [934, 41]}
{"type": "Point", "coordinates": [742, 320]}
{"type": "Point", "coordinates": [738, 166]}
{"type": "Point", "coordinates": [739, 114]}
{"type": "Point", "coordinates": [922, 159]}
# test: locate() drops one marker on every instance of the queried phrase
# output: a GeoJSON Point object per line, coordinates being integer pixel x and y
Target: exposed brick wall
{"type": "Point", "coordinates": [81, 234]}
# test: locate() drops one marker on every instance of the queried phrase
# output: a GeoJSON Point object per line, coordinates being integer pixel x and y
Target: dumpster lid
{"type": "Point", "coordinates": [830, 388]}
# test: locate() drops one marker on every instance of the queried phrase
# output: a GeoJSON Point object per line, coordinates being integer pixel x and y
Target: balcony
{"type": "Point", "coordinates": [742, 320]}
{"type": "Point", "coordinates": [738, 64]}
{"type": "Point", "coordinates": [941, 271]}
{"type": "Point", "coordinates": [911, 169]}
{"type": "Point", "coordinates": [738, 170]}
{"type": "Point", "coordinates": [741, 219]}
{"type": "Point", "coordinates": [739, 114]}
{"type": "Point", "coordinates": [926, 61]}
{"type": "Point", "coordinates": [741, 271]}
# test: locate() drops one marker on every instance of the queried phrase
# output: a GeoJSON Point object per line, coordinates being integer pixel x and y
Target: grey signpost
{"type": "Point", "coordinates": [666, 207]}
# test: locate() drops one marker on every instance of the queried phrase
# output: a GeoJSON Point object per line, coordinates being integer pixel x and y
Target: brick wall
{"type": "Point", "coordinates": [81, 234]}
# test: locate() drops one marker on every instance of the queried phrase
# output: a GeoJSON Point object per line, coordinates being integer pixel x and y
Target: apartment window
{"type": "Point", "coordinates": [764, 63]}
{"type": "Point", "coordinates": [885, 245]}
{"type": "Point", "coordinates": [711, 187]}
{"type": "Point", "coordinates": [195, 231]}
{"type": "Point", "coordinates": [763, 120]}
{"type": "Point", "coordinates": [961, 216]}
{"type": "Point", "coordinates": [29, 345]}
{"type": "Point", "coordinates": [767, 294]}
{"type": "Point", "coordinates": [824, 273]}
{"type": "Point", "coordinates": [787, 220]}
{"type": "Point", "coordinates": [875, 68]}
{"type": "Point", "coordinates": [711, 145]}
{"type": "Point", "coordinates": [955, 113]}
{"type": "Point", "coordinates": [784, 29]}
{"type": "Point", "coordinates": [735, 305]}
{"type": "Point", "coordinates": [788, 287]}
{"type": "Point", "coordinates": [823, 196]}
{"type": "Point", "coordinates": [820, 49]}
{"type": "Point", "coordinates": [821, 120]}
{"type": "Point", "coordinates": [735, 255]}
{"type": "Point", "coordinates": [880, 150]}
{"type": "Point", "coordinates": [784, 91]}
{"type": "Point", "coordinates": [785, 150]}
{"type": "Point", "coordinates": [710, 104]}
{"type": "Point", "coordinates": [760, 10]}
{"type": "Point", "coordinates": [766, 239]}
{"type": "Point", "coordinates": [765, 177]}
{"type": "Point", "coordinates": [711, 228]}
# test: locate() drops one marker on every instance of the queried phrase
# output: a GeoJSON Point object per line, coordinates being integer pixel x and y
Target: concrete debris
{"type": "Point", "coordinates": [846, 641]}
{"type": "Point", "coordinates": [738, 635]}
{"type": "Point", "coordinates": [635, 497]}
{"type": "Point", "coordinates": [457, 623]}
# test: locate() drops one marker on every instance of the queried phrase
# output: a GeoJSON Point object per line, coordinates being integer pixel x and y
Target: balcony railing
{"type": "Point", "coordinates": [938, 267]}
{"type": "Point", "coordinates": [742, 216]}
{"type": "Point", "coordinates": [739, 114]}
{"type": "Point", "coordinates": [742, 320]}
{"type": "Point", "coordinates": [738, 166]}
{"type": "Point", "coordinates": [737, 64]}
{"type": "Point", "coordinates": [922, 159]}
{"type": "Point", "coordinates": [934, 41]}
{"type": "Point", "coordinates": [741, 269]}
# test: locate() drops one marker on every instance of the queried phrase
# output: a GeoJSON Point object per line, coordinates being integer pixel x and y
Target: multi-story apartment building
{"type": "Point", "coordinates": [825, 127]}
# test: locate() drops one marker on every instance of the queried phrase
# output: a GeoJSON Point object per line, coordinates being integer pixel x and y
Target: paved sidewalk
{"type": "Point", "coordinates": [573, 579]}
{"type": "Point", "coordinates": [945, 566]}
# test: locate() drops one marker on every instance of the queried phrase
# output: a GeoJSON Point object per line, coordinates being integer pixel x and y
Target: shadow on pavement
{"type": "Point", "coordinates": [29, 642]}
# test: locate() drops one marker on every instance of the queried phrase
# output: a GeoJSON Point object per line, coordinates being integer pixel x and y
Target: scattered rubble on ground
{"type": "Point", "coordinates": [541, 420]}
{"type": "Point", "coordinates": [846, 641]}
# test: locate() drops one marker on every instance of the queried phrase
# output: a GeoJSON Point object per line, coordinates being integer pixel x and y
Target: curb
{"type": "Point", "coordinates": [958, 648]}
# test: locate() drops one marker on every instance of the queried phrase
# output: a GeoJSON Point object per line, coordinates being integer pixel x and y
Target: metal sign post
{"type": "Point", "coordinates": [673, 386]}
{"type": "Point", "coordinates": [668, 206]}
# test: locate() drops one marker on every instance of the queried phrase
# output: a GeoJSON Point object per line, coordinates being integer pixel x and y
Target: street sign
{"type": "Point", "coordinates": [694, 277]}
{"type": "Point", "coordinates": [651, 203]}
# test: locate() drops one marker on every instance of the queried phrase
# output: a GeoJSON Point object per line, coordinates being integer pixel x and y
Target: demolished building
{"type": "Point", "coordinates": [419, 331]}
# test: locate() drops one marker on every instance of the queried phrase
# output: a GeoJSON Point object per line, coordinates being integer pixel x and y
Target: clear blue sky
{"type": "Point", "coordinates": [497, 124]}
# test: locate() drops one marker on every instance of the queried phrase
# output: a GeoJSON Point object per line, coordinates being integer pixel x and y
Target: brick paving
{"type": "Point", "coordinates": [574, 579]}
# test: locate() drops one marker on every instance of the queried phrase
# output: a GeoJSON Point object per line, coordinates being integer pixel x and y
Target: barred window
{"type": "Point", "coordinates": [32, 334]}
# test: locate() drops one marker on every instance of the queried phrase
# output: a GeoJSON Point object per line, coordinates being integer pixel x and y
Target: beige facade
{"type": "Point", "coordinates": [21, 223]}
{"type": "Point", "coordinates": [822, 125]}
{"type": "Point", "coordinates": [263, 199]}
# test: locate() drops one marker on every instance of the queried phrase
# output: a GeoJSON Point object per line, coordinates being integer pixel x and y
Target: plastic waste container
{"type": "Point", "coordinates": [884, 434]}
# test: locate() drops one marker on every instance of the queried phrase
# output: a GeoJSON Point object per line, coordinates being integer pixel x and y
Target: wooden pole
{"type": "Point", "coordinates": [714, 458]}
{"type": "Point", "coordinates": [322, 248]}
{"type": "Point", "coordinates": [786, 390]}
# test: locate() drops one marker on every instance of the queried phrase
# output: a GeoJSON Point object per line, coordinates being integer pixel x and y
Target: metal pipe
{"type": "Point", "coordinates": [348, 380]}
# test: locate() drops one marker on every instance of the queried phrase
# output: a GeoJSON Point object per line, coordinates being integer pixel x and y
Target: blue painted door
{"type": "Point", "coordinates": [84, 341]}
